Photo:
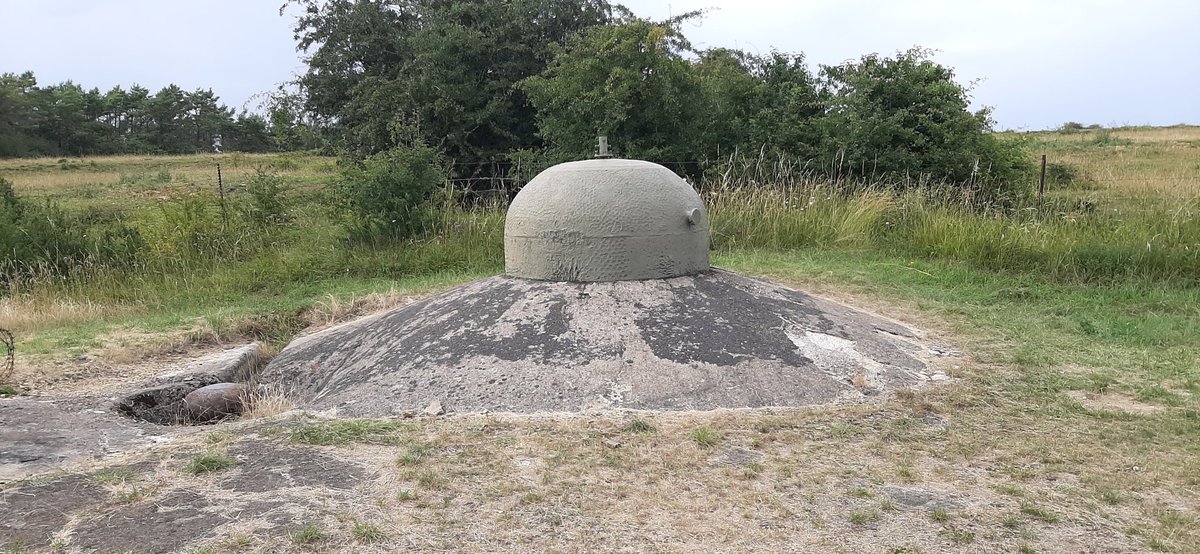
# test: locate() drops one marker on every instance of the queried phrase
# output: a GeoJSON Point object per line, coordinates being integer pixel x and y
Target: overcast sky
{"type": "Point", "coordinates": [1039, 63]}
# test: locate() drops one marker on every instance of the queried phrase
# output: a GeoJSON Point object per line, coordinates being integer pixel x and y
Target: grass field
{"type": "Point", "coordinates": [1076, 409]}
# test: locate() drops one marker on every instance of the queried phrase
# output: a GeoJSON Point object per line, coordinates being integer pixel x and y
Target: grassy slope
{"type": "Point", "coordinates": [1079, 400]}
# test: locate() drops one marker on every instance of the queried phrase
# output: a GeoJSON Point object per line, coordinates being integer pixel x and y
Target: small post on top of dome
{"type": "Point", "coordinates": [602, 147]}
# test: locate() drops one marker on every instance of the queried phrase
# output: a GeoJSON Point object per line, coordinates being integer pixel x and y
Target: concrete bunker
{"type": "Point", "coordinates": [606, 220]}
{"type": "Point", "coordinates": [608, 302]}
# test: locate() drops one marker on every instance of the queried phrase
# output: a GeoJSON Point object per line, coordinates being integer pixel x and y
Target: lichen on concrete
{"type": "Point", "coordinates": [712, 340]}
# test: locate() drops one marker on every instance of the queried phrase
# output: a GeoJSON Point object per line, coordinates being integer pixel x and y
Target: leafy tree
{"type": "Point", "coordinates": [380, 71]}
{"type": "Point", "coordinates": [629, 81]}
{"type": "Point", "coordinates": [906, 116]}
{"type": "Point", "coordinates": [790, 107]}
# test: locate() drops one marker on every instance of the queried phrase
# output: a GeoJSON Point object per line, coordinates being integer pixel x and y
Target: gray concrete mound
{"type": "Point", "coordinates": [706, 341]}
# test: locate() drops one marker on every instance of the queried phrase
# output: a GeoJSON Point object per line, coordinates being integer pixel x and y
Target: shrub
{"type": "Point", "coordinates": [45, 239]}
{"type": "Point", "coordinates": [706, 436]}
{"type": "Point", "coordinates": [267, 204]}
{"type": "Point", "coordinates": [1105, 137]}
{"type": "Point", "coordinates": [194, 230]}
{"type": "Point", "coordinates": [388, 194]}
{"type": "Point", "coordinates": [209, 462]}
{"type": "Point", "coordinates": [1071, 127]}
{"type": "Point", "coordinates": [1067, 175]}
{"type": "Point", "coordinates": [906, 121]}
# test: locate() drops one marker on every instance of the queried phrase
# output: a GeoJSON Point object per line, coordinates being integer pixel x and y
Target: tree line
{"type": "Point", "coordinates": [67, 120]}
{"type": "Point", "coordinates": [525, 83]}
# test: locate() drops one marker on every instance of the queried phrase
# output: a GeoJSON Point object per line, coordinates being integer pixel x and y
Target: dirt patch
{"type": "Point", "coordinates": [1114, 402]}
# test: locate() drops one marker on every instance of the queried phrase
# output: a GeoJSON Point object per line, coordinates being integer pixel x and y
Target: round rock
{"type": "Point", "coordinates": [606, 220]}
{"type": "Point", "coordinates": [215, 401]}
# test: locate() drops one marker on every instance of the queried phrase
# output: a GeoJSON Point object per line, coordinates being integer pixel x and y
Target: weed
{"type": "Point", "coordinates": [266, 402]}
{"type": "Point", "coordinates": [415, 454]}
{"type": "Point", "coordinates": [406, 495]}
{"type": "Point", "coordinates": [939, 515]}
{"type": "Point", "coordinates": [430, 479]}
{"type": "Point", "coordinates": [842, 430]}
{"type": "Point", "coordinates": [114, 476]}
{"type": "Point", "coordinates": [367, 533]}
{"type": "Point", "coordinates": [209, 462]}
{"type": "Point", "coordinates": [706, 436]}
{"type": "Point", "coordinates": [531, 498]}
{"type": "Point", "coordinates": [1040, 514]}
{"type": "Point", "coordinates": [132, 495]}
{"type": "Point", "coordinates": [218, 437]}
{"type": "Point", "coordinates": [959, 536]}
{"type": "Point", "coordinates": [639, 425]}
{"type": "Point", "coordinates": [1111, 496]}
{"type": "Point", "coordinates": [309, 534]}
{"type": "Point", "coordinates": [864, 516]}
{"type": "Point", "coordinates": [267, 199]}
{"type": "Point", "coordinates": [348, 431]}
{"type": "Point", "coordinates": [1009, 490]}
{"type": "Point", "coordinates": [860, 493]}
{"type": "Point", "coordinates": [9, 390]}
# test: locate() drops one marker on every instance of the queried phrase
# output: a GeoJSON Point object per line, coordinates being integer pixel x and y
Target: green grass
{"type": "Point", "coordinates": [639, 426]}
{"type": "Point", "coordinates": [706, 437]}
{"type": "Point", "coordinates": [309, 534]}
{"type": "Point", "coordinates": [114, 476]}
{"type": "Point", "coordinates": [367, 533]}
{"type": "Point", "coordinates": [1097, 292]}
{"type": "Point", "coordinates": [865, 515]}
{"type": "Point", "coordinates": [1038, 513]}
{"type": "Point", "coordinates": [430, 479]}
{"type": "Point", "coordinates": [209, 462]}
{"type": "Point", "coordinates": [415, 454]}
{"type": "Point", "coordinates": [350, 431]}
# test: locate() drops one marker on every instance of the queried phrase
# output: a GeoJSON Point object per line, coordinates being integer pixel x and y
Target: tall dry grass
{"type": "Point", "coordinates": [1094, 234]}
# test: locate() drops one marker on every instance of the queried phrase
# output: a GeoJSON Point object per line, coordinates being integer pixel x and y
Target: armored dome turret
{"type": "Point", "coordinates": [606, 220]}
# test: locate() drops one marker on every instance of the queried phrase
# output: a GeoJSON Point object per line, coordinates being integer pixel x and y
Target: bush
{"type": "Point", "coordinates": [1071, 127]}
{"type": "Point", "coordinates": [1065, 175]}
{"type": "Point", "coordinates": [267, 205]}
{"type": "Point", "coordinates": [905, 120]}
{"type": "Point", "coordinates": [1105, 137]}
{"type": "Point", "coordinates": [388, 195]}
{"type": "Point", "coordinates": [40, 236]}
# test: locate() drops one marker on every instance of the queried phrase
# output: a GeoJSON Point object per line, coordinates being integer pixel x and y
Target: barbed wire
{"type": "Point", "coordinates": [10, 345]}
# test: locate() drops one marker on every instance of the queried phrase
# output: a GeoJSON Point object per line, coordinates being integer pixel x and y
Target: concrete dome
{"type": "Point", "coordinates": [606, 220]}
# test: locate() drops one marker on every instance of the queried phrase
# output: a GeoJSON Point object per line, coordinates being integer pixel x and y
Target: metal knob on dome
{"type": "Point", "coordinates": [606, 220]}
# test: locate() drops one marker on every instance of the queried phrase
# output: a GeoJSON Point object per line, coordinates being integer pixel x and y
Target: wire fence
{"type": "Point", "coordinates": [10, 348]}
